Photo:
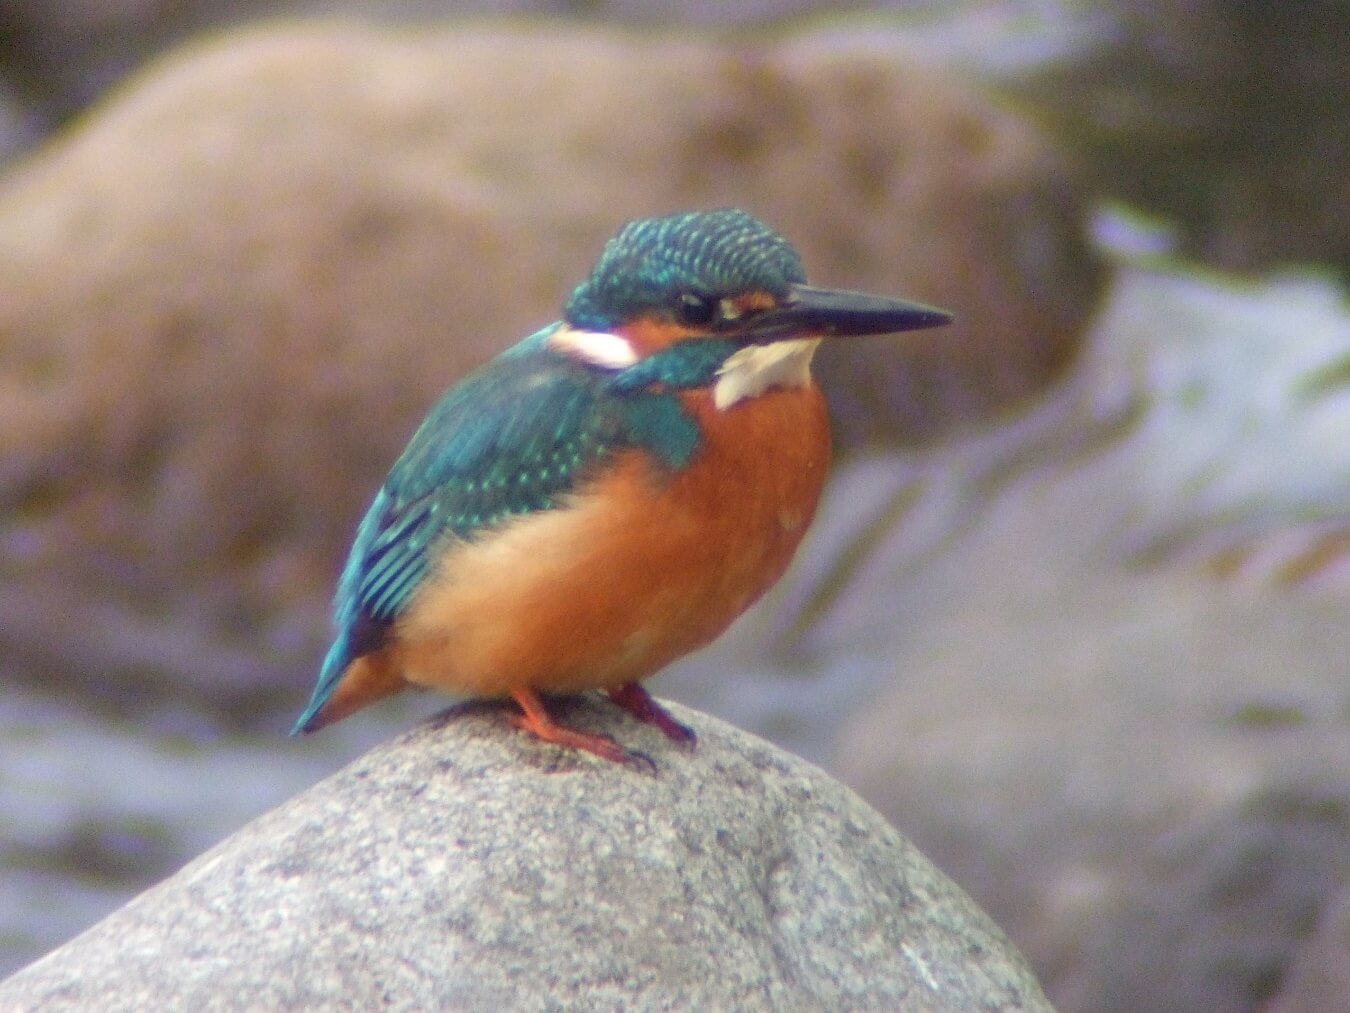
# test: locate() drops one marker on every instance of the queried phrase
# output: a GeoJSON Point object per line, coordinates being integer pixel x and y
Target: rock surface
{"type": "Point", "coordinates": [466, 866]}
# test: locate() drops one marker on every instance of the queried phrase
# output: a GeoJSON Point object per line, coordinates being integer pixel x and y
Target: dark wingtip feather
{"type": "Point", "coordinates": [302, 726]}
{"type": "Point", "coordinates": [334, 664]}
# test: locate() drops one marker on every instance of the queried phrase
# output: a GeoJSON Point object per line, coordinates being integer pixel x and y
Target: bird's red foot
{"type": "Point", "coordinates": [639, 703]}
{"type": "Point", "coordinates": [536, 720]}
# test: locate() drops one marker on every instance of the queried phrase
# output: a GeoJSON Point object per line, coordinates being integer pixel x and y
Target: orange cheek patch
{"type": "Point", "coordinates": [754, 302]}
{"type": "Point", "coordinates": [648, 335]}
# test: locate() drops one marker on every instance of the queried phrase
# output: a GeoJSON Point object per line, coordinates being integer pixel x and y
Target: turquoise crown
{"type": "Point", "coordinates": [650, 262]}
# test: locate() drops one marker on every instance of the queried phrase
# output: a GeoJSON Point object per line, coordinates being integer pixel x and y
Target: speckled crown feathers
{"type": "Point", "coordinates": [708, 252]}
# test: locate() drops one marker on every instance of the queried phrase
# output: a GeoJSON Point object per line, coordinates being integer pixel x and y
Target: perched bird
{"type": "Point", "coordinates": [609, 494]}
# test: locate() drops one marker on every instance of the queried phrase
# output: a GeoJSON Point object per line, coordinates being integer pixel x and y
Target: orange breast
{"type": "Point", "coordinates": [643, 567]}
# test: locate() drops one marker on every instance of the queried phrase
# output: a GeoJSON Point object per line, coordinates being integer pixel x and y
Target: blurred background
{"type": "Point", "coordinates": [1073, 613]}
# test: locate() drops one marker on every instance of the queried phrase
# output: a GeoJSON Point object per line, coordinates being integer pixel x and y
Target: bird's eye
{"type": "Point", "coordinates": [693, 310]}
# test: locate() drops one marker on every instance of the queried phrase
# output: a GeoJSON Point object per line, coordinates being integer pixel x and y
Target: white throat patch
{"type": "Point", "coordinates": [599, 348]}
{"type": "Point", "coordinates": [754, 369]}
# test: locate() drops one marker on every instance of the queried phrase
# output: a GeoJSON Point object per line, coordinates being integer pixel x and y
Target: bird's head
{"type": "Point", "coordinates": [717, 275]}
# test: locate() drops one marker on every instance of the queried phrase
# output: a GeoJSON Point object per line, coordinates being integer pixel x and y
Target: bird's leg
{"type": "Point", "coordinates": [639, 703]}
{"type": "Point", "coordinates": [535, 719]}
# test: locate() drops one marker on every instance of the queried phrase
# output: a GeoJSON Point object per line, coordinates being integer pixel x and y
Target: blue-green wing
{"type": "Point", "coordinates": [510, 439]}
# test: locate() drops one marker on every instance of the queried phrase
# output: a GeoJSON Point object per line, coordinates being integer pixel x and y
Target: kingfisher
{"type": "Point", "coordinates": [609, 494]}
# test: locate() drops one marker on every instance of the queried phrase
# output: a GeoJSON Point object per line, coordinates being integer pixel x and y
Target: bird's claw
{"type": "Point", "coordinates": [639, 703]}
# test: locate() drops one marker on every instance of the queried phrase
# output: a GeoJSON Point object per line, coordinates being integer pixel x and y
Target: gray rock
{"type": "Point", "coordinates": [465, 866]}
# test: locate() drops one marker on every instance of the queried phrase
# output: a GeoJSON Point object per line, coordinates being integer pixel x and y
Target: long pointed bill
{"type": "Point", "coordinates": [809, 311]}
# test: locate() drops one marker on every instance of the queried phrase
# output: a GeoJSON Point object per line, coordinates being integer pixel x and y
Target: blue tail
{"type": "Point", "coordinates": [334, 664]}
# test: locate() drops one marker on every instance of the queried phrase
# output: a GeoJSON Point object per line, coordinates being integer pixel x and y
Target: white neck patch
{"type": "Point", "coordinates": [752, 370]}
{"type": "Point", "coordinates": [599, 348]}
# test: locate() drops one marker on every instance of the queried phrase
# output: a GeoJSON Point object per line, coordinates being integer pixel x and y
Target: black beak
{"type": "Point", "coordinates": [827, 312]}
